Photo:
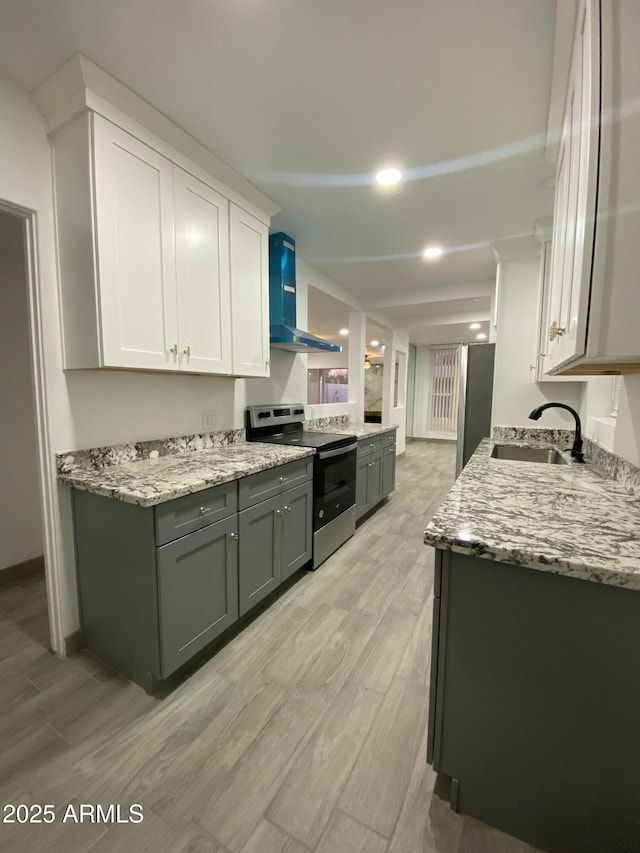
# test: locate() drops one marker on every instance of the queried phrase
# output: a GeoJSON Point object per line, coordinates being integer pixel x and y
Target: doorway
{"type": "Point", "coordinates": [23, 591]}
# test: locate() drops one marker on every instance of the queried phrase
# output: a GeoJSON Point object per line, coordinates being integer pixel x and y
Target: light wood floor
{"type": "Point", "coordinates": [305, 733]}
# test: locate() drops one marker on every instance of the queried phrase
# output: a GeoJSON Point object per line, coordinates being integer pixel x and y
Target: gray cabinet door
{"type": "Point", "coordinates": [362, 477]}
{"type": "Point", "coordinates": [374, 479]}
{"type": "Point", "coordinates": [388, 470]}
{"type": "Point", "coordinates": [197, 591]}
{"type": "Point", "coordinates": [297, 536]}
{"type": "Point", "coordinates": [260, 552]}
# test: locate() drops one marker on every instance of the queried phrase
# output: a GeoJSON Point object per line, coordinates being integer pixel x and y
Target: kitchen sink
{"type": "Point", "coordinates": [546, 455]}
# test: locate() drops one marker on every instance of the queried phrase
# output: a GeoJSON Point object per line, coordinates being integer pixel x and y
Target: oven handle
{"type": "Point", "coordinates": [328, 454]}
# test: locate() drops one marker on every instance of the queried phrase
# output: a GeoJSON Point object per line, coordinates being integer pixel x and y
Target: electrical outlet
{"type": "Point", "coordinates": [208, 421]}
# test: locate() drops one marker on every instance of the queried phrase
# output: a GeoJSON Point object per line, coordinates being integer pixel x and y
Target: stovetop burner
{"type": "Point", "coordinates": [282, 425]}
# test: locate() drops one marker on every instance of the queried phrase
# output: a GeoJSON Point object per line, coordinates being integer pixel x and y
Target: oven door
{"type": "Point", "coordinates": [334, 483]}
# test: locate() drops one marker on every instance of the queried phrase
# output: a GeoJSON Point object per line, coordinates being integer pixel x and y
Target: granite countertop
{"type": "Point", "coordinates": [565, 519]}
{"type": "Point", "coordinates": [148, 482]}
{"type": "Point", "coordinates": [359, 430]}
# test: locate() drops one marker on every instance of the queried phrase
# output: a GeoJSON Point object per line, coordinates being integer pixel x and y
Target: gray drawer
{"type": "Point", "coordinates": [192, 512]}
{"type": "Point", "coordinates": [389, 438]}
{"type": "Point", "coordinates": [369, 445]}
{"type": "Point", "coordinates": [267, 484]}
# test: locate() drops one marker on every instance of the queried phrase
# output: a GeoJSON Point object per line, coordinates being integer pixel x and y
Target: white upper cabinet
{"type": "Point", "coordinates": [594, 299]}
{"type": "Point", "coordinates": [148, 257]}
{"type": "Point", "coordinates": [250, 293]}
{"type": "Point", "coordinates": [202, 272]}
{"type": "Point", "coordinates": [135, 251]}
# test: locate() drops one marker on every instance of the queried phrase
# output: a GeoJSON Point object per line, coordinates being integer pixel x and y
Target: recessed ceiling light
{"type": "Point", "coordinates": [375, 343]}
{"type": "Point", "coordinates": [481, 337]}
{"type": "Point", "coordinates": [433, 252]}
{"type": "Point", "coordinates": [344, 331]}
{"type": "Point", "coordinates": [388, 177]}
{"type": "Point", "coordinates": [475, 326]}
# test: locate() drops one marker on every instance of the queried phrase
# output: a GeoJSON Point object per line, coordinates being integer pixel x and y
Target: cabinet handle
{"type": "Point", "coordinates": [372, 464]}
{"type": "Point", "coordinates": [390, 450]}
{"type": "Point", "coordinates": [286, 508]}
{"type": "Point", "coordinates": [278, 512]}
{"type": "Point", "coordinates": [556, 331]}
{"type": "Point", "coordinates": [234, 535]}
{"type": "Point", "coordinates": [283, 479]}
{"type": "Point", "coordinates": [204, 509]}
{"type": "Point", "coordinates": [187, 352]}
{"type": "Point", "coordinates": [174, 349]}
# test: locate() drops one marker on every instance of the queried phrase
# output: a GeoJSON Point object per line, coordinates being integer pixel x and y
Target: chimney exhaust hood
{"type": "Point", "coordinates": [282, 301]}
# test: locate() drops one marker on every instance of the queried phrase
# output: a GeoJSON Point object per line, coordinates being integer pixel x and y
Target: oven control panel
{"type": "Point", "coordinates": [261, 416]}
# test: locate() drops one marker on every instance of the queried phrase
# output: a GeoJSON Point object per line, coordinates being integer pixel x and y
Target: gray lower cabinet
{"type": "Point", "coordinates": [534, 703]}
{"type": "Point", "coordinates": [158, 584]}
{"type": "Point", "coordinates": [375, 471]}
{"type": "Point", "coordinates": [197, 591]}
{"type": "Point", "coordinates": [388, 470]}
{"type": "Point", "coordinates": [260, 552]}
{"type": "Point", "coordinates": [275, 541]}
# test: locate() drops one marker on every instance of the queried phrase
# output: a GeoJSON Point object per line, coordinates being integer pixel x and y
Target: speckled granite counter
{"type": "Point", "coordinates": [564, 519]}
{"type": "Point", "coordinates": [151, 481]}
{"type": "Point", "coordinates": [359, 430]}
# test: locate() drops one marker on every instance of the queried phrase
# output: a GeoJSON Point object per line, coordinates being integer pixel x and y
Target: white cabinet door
{"type": "Point", "coordinates": [577, 180]}
{"type": "Point", "coordinates": [133, 188]}
{"type": "Point", "coordinates": [202, 270]}
{"type": "Point", "coordinates": [249, 242]}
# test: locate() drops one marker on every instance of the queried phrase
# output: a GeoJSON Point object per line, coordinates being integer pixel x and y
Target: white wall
{"type": "Point", "coordinates": [328, 359]}
{"type": "Point", "coordinates": [20, 515]}
{"type": "Point", "coordinates": [514, 392]}
{"type": "Point", "coordinates": [392, 414]}
{"type": "Point", "coordinates": [627, 434]}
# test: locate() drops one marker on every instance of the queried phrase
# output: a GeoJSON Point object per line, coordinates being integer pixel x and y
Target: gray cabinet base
{"type": "Point", "coordinates": [330, 537]}
{"type": "Point", "coordinates": [537, 701]}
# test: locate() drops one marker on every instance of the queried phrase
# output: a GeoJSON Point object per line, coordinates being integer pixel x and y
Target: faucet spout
{"type": "Point", "coordinates": [576, 448]}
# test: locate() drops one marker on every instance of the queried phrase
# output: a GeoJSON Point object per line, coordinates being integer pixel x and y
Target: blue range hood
{"type": "Point", "coordinates": [282, 300]}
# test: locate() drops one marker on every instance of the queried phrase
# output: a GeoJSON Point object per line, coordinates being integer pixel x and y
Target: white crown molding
{"type": "Point", "coordinates": [81, 84]}
{"type": "Point", "coordinates": [516, 248]}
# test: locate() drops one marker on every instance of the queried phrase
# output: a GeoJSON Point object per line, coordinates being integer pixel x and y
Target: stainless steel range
{"type": "Point", "coordinates": [334, 471]}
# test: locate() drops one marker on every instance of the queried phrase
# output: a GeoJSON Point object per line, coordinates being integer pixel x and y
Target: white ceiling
{"type": "Point", "coordinates": [308, 99]}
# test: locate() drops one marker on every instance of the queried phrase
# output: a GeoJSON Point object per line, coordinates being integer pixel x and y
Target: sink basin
{"type": "Point", "coordinates": [546, 455]}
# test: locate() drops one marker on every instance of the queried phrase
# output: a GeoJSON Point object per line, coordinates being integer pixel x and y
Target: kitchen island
{"type": "Point", "coordinates": [535, 687]}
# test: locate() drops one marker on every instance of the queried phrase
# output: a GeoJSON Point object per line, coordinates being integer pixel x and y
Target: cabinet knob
{"type": "Point", "coordinates": [204, 509]}
{"type": "Point", "coordinates": [278, 512]}
{"type": "Point", "coordinates": [286, 508]}
{"type": "Point", "coordinates": [174, 349]}
{"type": "Point", "coordinates": [283, 479]}
{"type": "Point", "coordinates": [556, 331]}
{"type": "Point", "coordinates": [187, 351]}
{"type": "Point", "coordinates": [234, 535]}
{"type": "Point", "coordinates": [372, 464]}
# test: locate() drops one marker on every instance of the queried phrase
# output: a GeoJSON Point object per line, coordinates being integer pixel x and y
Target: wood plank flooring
{"type": "Point", "coordinates": [306, 732]}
